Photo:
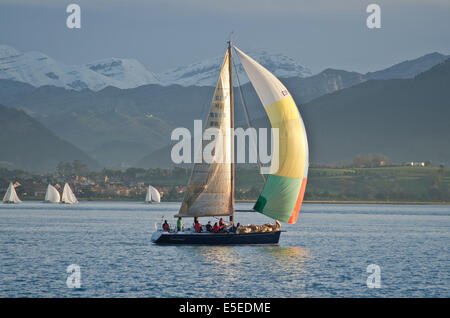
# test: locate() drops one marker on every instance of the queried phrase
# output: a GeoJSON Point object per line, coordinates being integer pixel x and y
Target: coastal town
{"type": "Point", "coordinates": [367, 178]}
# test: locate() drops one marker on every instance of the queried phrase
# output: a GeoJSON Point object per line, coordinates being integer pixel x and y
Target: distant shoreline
{"type": "Point", "coordinates": [253, 201]}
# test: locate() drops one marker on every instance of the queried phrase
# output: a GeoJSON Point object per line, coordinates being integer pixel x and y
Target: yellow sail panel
{"type": "Point", "coordinates": [209, 189]}
{"type": "Point", "coordinates": [284, 189]}
{"type": "Point", "coordinates": [290, 161]}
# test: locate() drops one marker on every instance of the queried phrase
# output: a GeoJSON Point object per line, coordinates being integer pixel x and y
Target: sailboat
{"type": "Point", "coordinates": [68, 197]}
{"type": "Point", "coordinates": [152, 195]}
{"type": "Point", "coordinates": [52, 195]}
{"type": "Point", "coordinates": [210, 191]}
{"type": "Point", "coordinates": [11, 195]}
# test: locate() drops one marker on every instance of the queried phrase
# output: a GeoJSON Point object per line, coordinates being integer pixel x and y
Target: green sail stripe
{"type": "Point", "coordinates": [278, 198]}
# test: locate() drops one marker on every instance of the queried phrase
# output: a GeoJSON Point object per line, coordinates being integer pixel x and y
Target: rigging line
{"type": "Point", "coordinates": [247, 118]}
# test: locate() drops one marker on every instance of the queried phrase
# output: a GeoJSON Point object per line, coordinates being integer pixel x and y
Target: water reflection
{"type": "Point", "coordinates": [221, 262]}
{"type": "Point", "coordinates": [287, 252]}
{"type": "Point", "coordinates": [215, 255]}
{"type": "Point", "coordinates": [288, 260]}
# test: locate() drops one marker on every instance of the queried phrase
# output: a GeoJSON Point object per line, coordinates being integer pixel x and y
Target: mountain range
{"type": "Point", "coordinates": [28, 145]}
{"type": "Point", "coordinates": [38, 69]}
{"type": "Point", "coordinates": [405, 119]}
{"type": "Point", "coordinates": [206, 72]}
{"type": "Point", "coordinates": [125, 127]}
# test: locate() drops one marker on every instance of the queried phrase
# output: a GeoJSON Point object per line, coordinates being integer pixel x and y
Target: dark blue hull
{"type": "Point", "coordinates": [216, 238]}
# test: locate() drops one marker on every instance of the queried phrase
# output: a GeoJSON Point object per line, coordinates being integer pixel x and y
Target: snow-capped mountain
{"type": "Point", "coordinates": [206, 72]}
{"type": "Point", "coordinates": [38, 69]}
{"type": "Point", "coordinates": [130, 72]}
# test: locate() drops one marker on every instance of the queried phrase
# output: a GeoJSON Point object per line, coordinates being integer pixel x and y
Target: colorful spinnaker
{"type": "Point", "coordinates": [282, 195]}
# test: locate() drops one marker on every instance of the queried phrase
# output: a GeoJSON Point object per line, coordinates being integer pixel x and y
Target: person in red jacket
{"type": "Point", "coordinates": [197, 227]}
{"type": "Point", "coordinates": [221, 225]}
{"type": "Point", "coordinates": [166, 226]}
{"type": "Point", "coordinates": [215, 228]}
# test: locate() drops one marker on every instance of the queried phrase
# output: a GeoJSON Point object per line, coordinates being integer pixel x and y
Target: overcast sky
{"type": "Point", "coordinates": [168, 33]}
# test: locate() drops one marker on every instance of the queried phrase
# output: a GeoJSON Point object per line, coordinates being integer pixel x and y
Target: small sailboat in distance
{"type": "Point", "coordinates": [68, 197]}
{"type": "Point", "coordinates": [210, 191]}
{"type": "Point", "coordinates": [153, 195]}
{"type": "Point", "coordinates": [52, 195]}
{"type": "Point", "coordinates": [11, 195]}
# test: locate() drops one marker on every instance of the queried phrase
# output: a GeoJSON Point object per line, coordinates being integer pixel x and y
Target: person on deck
{"type": "Point", "coordinates": [166, 226]}
{"type": "Point", "coordinates": [234, 228]}
{"type": "Point", "coordinates": [221, 225]}
{"type": "Point", "coordinates": [209, 226]}
{"type": "Point", "coordinates": [198, 227]}
{"type": "Point", "coordinates": [179, 224]}
{"type": "Point", "coordinates": [215, 228]}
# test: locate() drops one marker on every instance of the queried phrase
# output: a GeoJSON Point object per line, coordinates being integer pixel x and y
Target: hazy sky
{"type": "Point", "coordinates": [168, 33]}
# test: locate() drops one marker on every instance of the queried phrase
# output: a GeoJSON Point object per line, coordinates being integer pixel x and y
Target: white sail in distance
{"type": "Point", "coordinates": [52, 195]}
{"type": "Point", "coordinates": [153, 195]}
{"type": "Point", "coordinates": [11, 195]}
{"type": "Point", "coordinates": [68, 197]}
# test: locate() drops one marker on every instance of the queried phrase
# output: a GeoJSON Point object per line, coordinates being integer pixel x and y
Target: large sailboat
{"type": "Point", "coordinates": [210, 191]}
{"type": "Point", "coordinates": [11, 195]}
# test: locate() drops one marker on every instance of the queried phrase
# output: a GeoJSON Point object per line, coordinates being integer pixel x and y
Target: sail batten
{"type": "Point", "coordinates": [209, 188]}
{"type": "Point", "coordinates": [283, 192]}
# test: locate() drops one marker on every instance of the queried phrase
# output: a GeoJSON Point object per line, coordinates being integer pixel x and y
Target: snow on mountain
{"type": "Point", "coordinates": [205, 73]}
{"type": "Point", "coordinates": [38, 69]}
{"type": "Point", "coordinates": [130, 72]}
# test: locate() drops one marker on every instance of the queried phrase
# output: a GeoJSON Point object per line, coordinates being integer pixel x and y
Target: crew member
{"type": "Point", "coordinates": [166, 226]}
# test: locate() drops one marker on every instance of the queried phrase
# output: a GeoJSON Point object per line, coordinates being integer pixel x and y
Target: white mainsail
{"type": "Point", "coordinates": [52, 195]}
{"type": "Point", "coordinates": [209, 189]}
{"type": "Point", "coordinates": [152, 195]}
{"type": "Point", "coordinates": [11, 195]}
{"type": "Point", "coordinates": [68, 197]}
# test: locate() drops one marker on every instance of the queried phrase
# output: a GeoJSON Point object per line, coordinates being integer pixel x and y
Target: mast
{"type": "Point", "coordinates": [230, 75]}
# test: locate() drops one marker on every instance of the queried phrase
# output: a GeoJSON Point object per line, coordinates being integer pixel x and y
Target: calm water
{"type": "Point", "coordinates": [324, 255]}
